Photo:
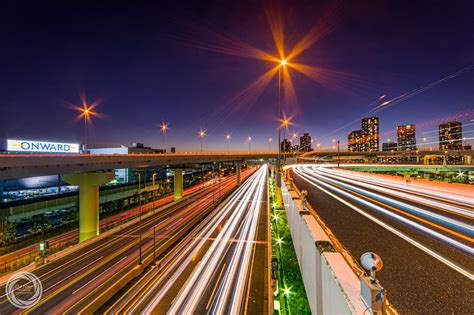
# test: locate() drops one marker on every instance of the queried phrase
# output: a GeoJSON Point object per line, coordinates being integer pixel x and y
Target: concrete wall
{"type": "Point", "coordinates": [331, 285]}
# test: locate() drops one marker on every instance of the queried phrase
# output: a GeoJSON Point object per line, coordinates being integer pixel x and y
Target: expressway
{"type": "Point", "coordinates": [424, 235]}
{"type": "Point", "coordinates": [72, 283]}
{"type": "Point", "coordinates": [220, 268]}
{"type": "Point", "coordinates": [73, 236]}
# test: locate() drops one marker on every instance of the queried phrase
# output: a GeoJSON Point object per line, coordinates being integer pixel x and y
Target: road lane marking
{"type": "Point", "coordinates": [100, 274]}
{"type": "Point", "coordinates": [215, 287]}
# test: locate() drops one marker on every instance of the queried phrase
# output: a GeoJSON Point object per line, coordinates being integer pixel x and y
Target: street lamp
{"type": "Point", "coordinates": [164, 128]}
{"type": "Point", "coordinates": [227, 138]}
{"type": "Point", "coordinates": [270, 140]}
{"type": "Point", "coordinates": [338, 151]}
{"type": "Point", "coordinates": [154, 190]}
{"type": "Point", "coordinates": [282, 64]}
{"type": "Point", "coordinates": [86, 112]}
{"type": "Point", "coordinates": [249, 139]}
{"type": "Point", "coordinates": [202, 134]}
{"type": "Point", "coordinates": [140, 217]}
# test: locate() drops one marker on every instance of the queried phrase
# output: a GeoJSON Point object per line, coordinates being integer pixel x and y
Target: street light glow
{"type": "Point", "coordinates": [202, 133]}
{"type": "Point", "coordinates": [164, 127]}
{"type": "Point", "coordinates": [283, 62]}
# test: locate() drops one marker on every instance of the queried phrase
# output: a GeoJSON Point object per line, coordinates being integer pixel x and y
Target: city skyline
{"type": "Point", "coordinates": [143, 86]}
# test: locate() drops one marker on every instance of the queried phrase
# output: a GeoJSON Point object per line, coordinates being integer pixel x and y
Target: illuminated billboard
{"type": "Point", "coordinates": [41, 146]}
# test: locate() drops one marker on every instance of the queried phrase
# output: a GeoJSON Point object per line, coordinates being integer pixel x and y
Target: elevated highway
{"type": "Point", "coordinates": [89, 171]}
{"type": "Point", "coordinates": [418, 156]}
{"type": "Point", "coordinates": [28, 165]}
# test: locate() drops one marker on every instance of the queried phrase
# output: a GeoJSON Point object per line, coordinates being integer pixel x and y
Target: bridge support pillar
{"type": "Point", "coordinates": [178, 183]}
{"type": "Point", "coordinates": [238, 172]}
{"type": "Point", "coordinates": [88, 200]}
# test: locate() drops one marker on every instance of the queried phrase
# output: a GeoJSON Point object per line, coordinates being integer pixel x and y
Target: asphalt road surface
{"type": "Point", "coordinates": [220, 268]}
{"type": "Point", "coordinates": [72, 282]}
{"type": "Point", "coordinates": [424, 236]}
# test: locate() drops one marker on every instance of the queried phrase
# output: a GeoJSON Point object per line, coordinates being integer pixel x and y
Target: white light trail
{"type": "Point", "coordinates": [465, 272]}
{"type": "Point", "coordinates": [235, 207]}
{"type": "Point", "coordinates": [191, 293]}
{"type": "Point", "coordinates": [405, 206]}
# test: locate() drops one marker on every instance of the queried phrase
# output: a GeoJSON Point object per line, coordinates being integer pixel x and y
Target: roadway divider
{"type": "Point", "coordinates": [331, 283]}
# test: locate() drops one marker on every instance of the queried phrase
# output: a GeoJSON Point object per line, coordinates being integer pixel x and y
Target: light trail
{"type": "Point", "coordinates": [431, 193]}
{"type": "Point", "coordinates": [234, 215]}
{"type": "Point", "coordinates": [402, 192]}
{"type": "Point", "coordinates": [190, 294]}
{"type": "Point", "coordinates": [319, 184]}
{"type": "Point", "coordinates": [418, 212]}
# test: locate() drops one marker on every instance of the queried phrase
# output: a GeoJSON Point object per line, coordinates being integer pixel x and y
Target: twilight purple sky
{"type": "Point", "coordinates": [143, 61]}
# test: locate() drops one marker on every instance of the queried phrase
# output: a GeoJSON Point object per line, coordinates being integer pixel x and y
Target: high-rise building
{"type": "Point", "coordinates": [295, 148]}
{"type": "Point", "coordinates": [370, 129]}
{"type": "Point", "coordinates": [450, 136]}
{"type": "Point", "coordinates": [406, 135]}
{"type": "Point", "coordinates": [389, 146]}
{"type": "Point", "coordinates": [285, 145]}
{"type": "Point", "coordinates": [355, 141]}
{"type": "Point", "coordinates": [305, 142]}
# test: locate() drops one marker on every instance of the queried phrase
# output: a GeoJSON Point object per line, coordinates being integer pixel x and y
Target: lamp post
{"type": "Point", "coordinates": [285, 124]}
{"type": "Point", "coordinates": [164, 128]}
{"type": "Point", "coordinates": [154, 212]}
{"type": "Point", "coordinates": [249, 139]}
{"type": "Point", "coordinates": [86, 113]}
{"type": "Point", "coordinates": [227, 138]}
{"type": "Point", "coordinates": [140, 218]}
{"type": "Point", "coordinates": [154, 191]}
{"type": "Point", "coordinates": [202, 134]}
{"type": "Point", "coordinates": [282, 64]}
{"type": "Point", "coordinates": [270, 140]}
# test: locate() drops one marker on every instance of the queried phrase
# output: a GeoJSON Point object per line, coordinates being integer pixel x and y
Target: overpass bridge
{"type": "Point", "coordinates": [28, 165]}
{"type": "Point", "coordinates": [420, 156]}
{"type": "Point", "coordinates": [88, 171]}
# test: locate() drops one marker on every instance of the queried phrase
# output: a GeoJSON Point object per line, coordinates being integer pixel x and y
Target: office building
{"type": "Point", "coordinates": [125, 175]}
{"type": "Point", "coordinates": [389, 146]}
{"type": "Point", "coordinates": [295, 148]}
{"type": "Point", "coordinates": [450, 136]}
{"type": "Point", "coordinates": [355, 141]}
{"type": "Point", "coordinates": [305, 142]}
{"type": "Point", "coordinates": [370, 129]}
{"type": "Point", "coordinates": [285, 145]}
{"type": "Point", "coordinates": [406, 135]}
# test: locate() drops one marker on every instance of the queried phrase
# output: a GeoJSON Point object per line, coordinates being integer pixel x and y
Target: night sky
{"type": "Point", "coordinates": [142, 60]}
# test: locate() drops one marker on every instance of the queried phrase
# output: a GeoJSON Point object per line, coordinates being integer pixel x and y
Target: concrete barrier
{"type": "Point", "coordinates": [331, 284]}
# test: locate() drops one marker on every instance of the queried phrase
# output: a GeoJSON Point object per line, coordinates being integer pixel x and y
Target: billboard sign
{"type": "Point", "coordinates": [41, 146]}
